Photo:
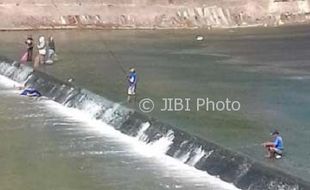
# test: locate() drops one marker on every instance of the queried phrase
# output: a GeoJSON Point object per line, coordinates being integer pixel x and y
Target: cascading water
{"type": "Point", "coordinates": [161, 138]}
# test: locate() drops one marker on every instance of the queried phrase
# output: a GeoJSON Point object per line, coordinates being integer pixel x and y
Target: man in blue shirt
{"type": "Point", "coordinates": [132, 83]}
{"type": "Point", "coordinates": [275, 148]}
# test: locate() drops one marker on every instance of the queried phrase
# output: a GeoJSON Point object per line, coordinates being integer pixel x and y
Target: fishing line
{"type": "Point", "coordinates": [113, 56]}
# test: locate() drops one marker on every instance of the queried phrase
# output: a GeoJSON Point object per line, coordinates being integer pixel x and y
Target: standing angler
{"type": "Point", "coordinates": [132, 84]}
{"type": "Point", "coordinates": [29, 44]}
{"type": "Point", "coordinates": [51, 51]}
{"type": "Point", "coordinates": [40, 59]}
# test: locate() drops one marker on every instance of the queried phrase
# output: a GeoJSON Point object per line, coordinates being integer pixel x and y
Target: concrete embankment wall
{"type": "Point", "coordinates": [132, 14]}
{"type": "Point", "coordinates": [189, 149]}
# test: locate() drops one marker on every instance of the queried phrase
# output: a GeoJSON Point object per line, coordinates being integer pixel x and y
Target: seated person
{"type": "Point", "coordinates": [31, 92]}
{"type": "Point", "coordinates": [275, 148]}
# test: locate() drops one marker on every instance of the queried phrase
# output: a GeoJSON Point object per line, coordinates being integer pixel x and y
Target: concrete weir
{"type": "Point", "coordinates": [203, 155]}
{"type": "Point", "coordinates": [149, 14]}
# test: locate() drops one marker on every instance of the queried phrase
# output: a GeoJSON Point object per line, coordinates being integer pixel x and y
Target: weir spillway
{"type": "Point", "coordinates": [229, 166]}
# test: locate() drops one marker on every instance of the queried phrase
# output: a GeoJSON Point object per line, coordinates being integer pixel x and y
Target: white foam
{"type": "Point", "coordinates": [199, 153]}
{"type": "Point", "coordinates": [141, 136]}
{"type": "Point", "coordinates": [154, 150]}
{"type": "Point", "coordinates": [8, 82]}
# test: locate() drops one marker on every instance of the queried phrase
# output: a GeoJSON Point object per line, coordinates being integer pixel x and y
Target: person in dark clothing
{"type": "Point", "coordinates": [29, 43]}
{"type": "Point", "coordinates": [51, 43]}
{"type": "Point", "coordinates": [51, 52]}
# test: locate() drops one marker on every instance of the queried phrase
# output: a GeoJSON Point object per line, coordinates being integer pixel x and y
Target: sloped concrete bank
{"type": "Point", "coordinates": [150, 14]}
{"type": "Point", "coordinates": [229, 166]}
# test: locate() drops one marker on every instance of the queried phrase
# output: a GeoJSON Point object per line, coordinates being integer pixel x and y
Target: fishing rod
{"type": "Point", "coordinates": [119, 64]}
{"type": "Point", "coordinates": [115, 58]}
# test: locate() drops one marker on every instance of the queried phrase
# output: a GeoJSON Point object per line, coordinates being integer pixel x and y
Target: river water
{"type": "Point", "coordinates": [47, 146]}
{"type": "Point", "coordinates": [266, 70]}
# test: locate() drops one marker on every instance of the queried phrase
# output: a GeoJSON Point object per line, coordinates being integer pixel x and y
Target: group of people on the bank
{"type": "Point", "coordinates": [46, 51]}
{"type": "Point", "coordinates": [46, 54]}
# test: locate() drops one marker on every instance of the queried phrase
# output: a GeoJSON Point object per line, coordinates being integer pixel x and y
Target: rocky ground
{"type": "Point", "coordinates": [146, 14]}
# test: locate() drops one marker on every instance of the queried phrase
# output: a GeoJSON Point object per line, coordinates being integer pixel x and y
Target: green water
{"type": "Point", "coordinates": [42, 148]}
{"type": "Point", "coordinates": [266, 70]}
